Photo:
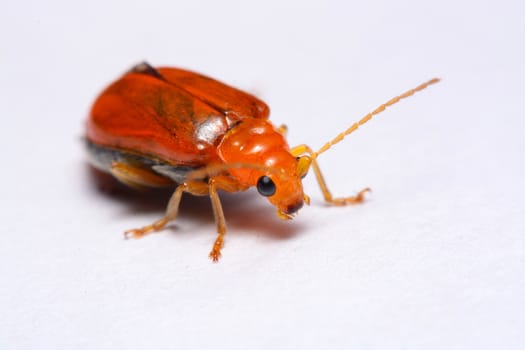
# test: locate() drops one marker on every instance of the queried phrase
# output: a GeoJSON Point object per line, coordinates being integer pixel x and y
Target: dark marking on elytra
{"type": "Point", "coordinates": [147, 69]}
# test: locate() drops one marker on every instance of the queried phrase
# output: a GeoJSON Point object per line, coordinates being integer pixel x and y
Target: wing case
{"type": "Point", "coordinates": [170, 114]}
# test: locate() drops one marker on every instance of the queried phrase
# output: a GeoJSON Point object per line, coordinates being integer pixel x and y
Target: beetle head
{"type": "Point", "coordinates": [285, 193]}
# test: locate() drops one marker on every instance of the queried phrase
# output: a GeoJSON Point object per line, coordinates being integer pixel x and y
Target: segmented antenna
{"type": "Point", "coordinates": [369, 116]}
{"type": "Point", "coordinates": [215, 169]}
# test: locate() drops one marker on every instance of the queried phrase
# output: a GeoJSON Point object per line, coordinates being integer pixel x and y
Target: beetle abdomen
{"type": "Point", "coordinates": [102, 158]}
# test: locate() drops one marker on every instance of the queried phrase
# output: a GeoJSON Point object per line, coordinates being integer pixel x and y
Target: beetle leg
{"type": "Point", "coordinates": [328, 195]}
{"type": "Point", "coordinates": [171, 214]}
{"type": "Point", "coordinates": [283, 130]}
{"type": "Point", "coordinates": [339, 201]}
{"type": "Point", "coordinates": [137, 177]}
{"type": "Point", "coordinates": [215, 253]}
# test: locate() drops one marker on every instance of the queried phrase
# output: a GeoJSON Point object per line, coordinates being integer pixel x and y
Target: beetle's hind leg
{"type": "Point", "coordinates": [171, 214]}
{"type": "Point", "coordinates": [137, 177]}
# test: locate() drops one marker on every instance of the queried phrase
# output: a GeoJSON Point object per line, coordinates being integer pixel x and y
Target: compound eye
{"type": "Point", "coordinates": [265, 186]}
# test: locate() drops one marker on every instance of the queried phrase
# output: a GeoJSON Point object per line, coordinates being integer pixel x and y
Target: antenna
{"type": "Point", "coordinates": [369, 116]}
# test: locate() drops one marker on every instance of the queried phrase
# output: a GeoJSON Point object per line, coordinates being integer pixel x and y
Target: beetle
{"type": "Point", "coordinates": [158, 127]}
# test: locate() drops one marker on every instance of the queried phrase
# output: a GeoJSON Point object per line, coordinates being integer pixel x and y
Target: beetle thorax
{"type": "Point", "coordinates": [257, 142]}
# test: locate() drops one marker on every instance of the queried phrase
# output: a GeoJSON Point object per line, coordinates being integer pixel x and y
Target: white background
{"type": "Point", "coordinates": [434, 259]}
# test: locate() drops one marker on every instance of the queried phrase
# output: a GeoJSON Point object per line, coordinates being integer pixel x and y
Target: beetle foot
{"type": "Point", "coordinates": [141, 232]}
{"type": "Point", "coordinates": [215, 253]}
{"type": "Point", "coordinates": [358, 198]}
{"type": "Point", "coordinates": [136, 233]}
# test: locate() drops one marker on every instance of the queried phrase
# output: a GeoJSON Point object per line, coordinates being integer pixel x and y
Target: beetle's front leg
{"type": "Point", "coordinates": [340, 201]}
{"type": "Point", "coordinates": [218, 213]}
{"type": "Point", "coordinates": [225, 183]}
{"type": "Point", "coordinates": [304, 149]}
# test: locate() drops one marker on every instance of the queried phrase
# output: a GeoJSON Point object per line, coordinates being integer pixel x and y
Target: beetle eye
{"type": "Point", "coordinates": [265, 186]}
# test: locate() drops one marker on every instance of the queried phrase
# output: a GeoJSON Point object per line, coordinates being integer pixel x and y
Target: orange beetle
{"type": "Point", "coordinates": [157, 127]}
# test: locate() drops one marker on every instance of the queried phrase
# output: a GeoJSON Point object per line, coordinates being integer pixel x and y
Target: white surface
{"type": "Point", "coordinates": [434, 259]}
